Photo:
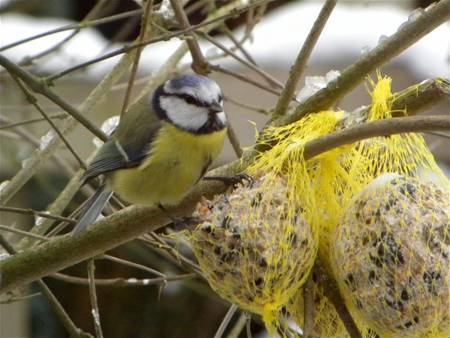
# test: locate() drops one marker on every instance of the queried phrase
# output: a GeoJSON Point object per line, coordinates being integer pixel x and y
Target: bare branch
{"type": "Point", "coordinates": [199, 64]}
{"type": "Point", "coordinates": [226, 320]}
{"type": "Point", "coordinates": [122, 282]}
{"type": "Point", "coordinates": [35, 213]}
{"type": "Point", "coordinates": [266, 76]}
{"type": "Point", "coordinates": [57, 307]}
{"type": "Point", "coordinates": [230, 13]}
{"type": "Point", "coordinates": [308, 307]}
{"type": "Point", "coordinates": [32, 100]}
{"type": "Point", "coordinates": [302, 58]}
{"type": "Point", "coordinates": [41, 88]}
{"type": "Point", "coordinates": [331, 291]}
{"type": "Point", "coordinates": [406, 35]}
{"type": "Point", "coordinates": [93, 296]}
{"type": "Point", "coordinates": [142, 33]}
{"type": "Point", "coordinates": [81, 25]}
{"type": "Point", "coordinates": [133, 221]}
{"type": "Point", "coordinates": [30, 121]}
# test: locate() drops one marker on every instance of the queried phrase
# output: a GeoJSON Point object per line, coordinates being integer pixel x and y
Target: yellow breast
{"type": "Point", "coordinates": [175, 163]}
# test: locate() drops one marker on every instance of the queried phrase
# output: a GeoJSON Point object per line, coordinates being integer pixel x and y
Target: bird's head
{"type": "Point", "coordinates": [191, 102]}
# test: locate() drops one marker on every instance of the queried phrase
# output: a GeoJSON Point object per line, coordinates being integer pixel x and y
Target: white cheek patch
{"type": "Point", "coordinates": [184, 115]}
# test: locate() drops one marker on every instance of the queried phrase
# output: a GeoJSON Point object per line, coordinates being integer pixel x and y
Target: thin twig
{"type": "Point", "coordinates": [238, 327]}
{"type": "Point", "coordinates": [90, 15]}
{"type": "Point", "coordinates": [41, 88]}
{"type": "Point", "coordinates": [134, 221]}
{"type": "Point", "coordinates": [249, 325]}
{"type": "Point", "coordinates": [308, 307]}
{"type": "Point", "coordinates": [243, 78]}
{"type": "Point", "coordinates": [331, 291]}
{"type": "Point", "coordinates": [226, 320]}
{"type": "Point", "coordinates": [22, 232]}
{"type": "Point", "coordinates": [137, 56]}
{"type": "Point", "coordinates": [133, 265]}
{"type": "Point", "coordinates": [93, 296]}
{"type": "Point", "coordinates": [406, 35]}
{"type": "Point", "coordinates": [33, 101]}
{"type": "Point", "coordinates": [35, 213]}
{"type": "Point", "coordinates": [266, 76]}
{"type": "Point", "coordinates": [238, 44]}
{"type": "Point", "coordinates": [302, 58]}
{"type": "Point", "coordinates": [57, 307]}
{"type": "Point", "coordinates": [30, 121]}
{"type": "Point", "coordinates": [246, 106]}
{"type": "Point", "coordinates": [25, 135]}
{"type": "Point", "coordinates": [18, 299]}
{"type": "Point", "coordinates": [199, 64]}
{"type": "Point", "coordinates": [122, 282]}
{"type": "Point", "coordinates": [230, 14]}
{"type": "Point", "coordinates": [234, 140]}
{"type": "Point", "coordinates": [81, 25]}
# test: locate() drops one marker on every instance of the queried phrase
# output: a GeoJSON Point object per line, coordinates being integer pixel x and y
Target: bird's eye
{"type": "Point", "coordinates": [190, 99]}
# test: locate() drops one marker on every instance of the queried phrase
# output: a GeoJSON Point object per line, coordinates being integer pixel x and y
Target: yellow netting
{"type": "Point", "coordinates": [259, 242]}
{"type": "Point", "coordinates": [391, 263]}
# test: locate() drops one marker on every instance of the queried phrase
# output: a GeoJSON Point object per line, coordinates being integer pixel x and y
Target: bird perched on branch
{"type": "Point", "coordinates": [161, 148]}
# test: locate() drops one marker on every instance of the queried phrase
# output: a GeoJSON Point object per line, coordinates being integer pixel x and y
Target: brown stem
{"type": "Point", "coordinates": [302, 58]}
{"type": "Point", "coordinates": [134, 221]}
{"type": "Point", "coordinates": [331, 291]}
{"type": "Point", "coordinates": [199, 64]}
{"type": "Point", "coordinates": [406, 36]}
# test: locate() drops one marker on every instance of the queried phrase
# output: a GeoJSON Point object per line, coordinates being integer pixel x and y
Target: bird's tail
{"type": "Point", "coordinates": [94, 208]}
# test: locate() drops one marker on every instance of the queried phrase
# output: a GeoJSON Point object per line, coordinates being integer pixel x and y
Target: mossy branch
{"type": "Point", "coordinates": [134, 221]}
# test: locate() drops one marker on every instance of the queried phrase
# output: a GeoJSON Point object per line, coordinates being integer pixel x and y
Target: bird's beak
{"type": "Point", "coordinates": [215, 108]}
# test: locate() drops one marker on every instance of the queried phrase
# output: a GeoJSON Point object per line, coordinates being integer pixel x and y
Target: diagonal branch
{"type": "Point", "coordinates": [300, 63]}
{"type": "Point", "coordinates": [199, 64]}
{"type": "Point", "coordinates": [134, 221]}
{"type": "Point", "coordinates": [406, 35]}
{"type": "Point", "coordinates": [40, 87]}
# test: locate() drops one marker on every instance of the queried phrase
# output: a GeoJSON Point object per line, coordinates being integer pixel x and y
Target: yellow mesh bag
{"type": "Point", "coordinates": [259, 242]}
{"type": "Point", "coordinates": [338, 177]}
{"type": "Point", "coordinates": [327, 323]}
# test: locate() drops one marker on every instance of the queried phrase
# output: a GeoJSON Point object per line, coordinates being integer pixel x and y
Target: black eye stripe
{"type": "Point", "coordinates": [189, 99]}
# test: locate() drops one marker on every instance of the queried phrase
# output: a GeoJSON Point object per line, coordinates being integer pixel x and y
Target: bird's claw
{"type": "Point", "coordinates": [184, 223]}
{"type": "Point", "coordinates": [232, 181]}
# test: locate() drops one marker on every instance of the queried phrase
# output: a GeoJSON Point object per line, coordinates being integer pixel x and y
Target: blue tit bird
{"type": "Point", "coordinates": [161, 148]}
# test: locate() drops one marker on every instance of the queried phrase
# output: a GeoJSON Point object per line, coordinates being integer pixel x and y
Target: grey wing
{"type": "Point", "coordinates": [130, 144]}
{"type": "Point", "coordinates": [113, 156]}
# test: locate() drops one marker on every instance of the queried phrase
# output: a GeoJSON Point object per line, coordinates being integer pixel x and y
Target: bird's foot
{"type": "Point", "coordinates": [181, 223]}
{"type": "Point", "coordinates": [231, 181]}
{"type": "Point", "coordinates": [184, 223]}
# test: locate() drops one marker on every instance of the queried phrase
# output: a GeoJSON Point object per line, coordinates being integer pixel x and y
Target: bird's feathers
{"type": "Point", "coordinates": [94, 208]}
{"type": "Point", "coordinates": [130, 143]}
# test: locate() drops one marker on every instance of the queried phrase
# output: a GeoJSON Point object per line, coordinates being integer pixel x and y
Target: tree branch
{"type": "Point", "coordinates": [134, 221]}
{"type": "Point", "coordinates": [297, 69]}
{"type": "Point", "coordinates": [38, 86]}
{"type": "Point", "coordinates": [93, 296]}
{"type": "Point", "coordinates": [405, 36]}
{"type": "Point", "coordinates": [331, 291]}
{"type": "Point", "coordinates": [54, 303]}
{"type": "Point", "coordinates": [199, 64]}
{"type": "Point", "coordinates": [77, 26]}
{"type": "Point", "coordinates": [215, 19]}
